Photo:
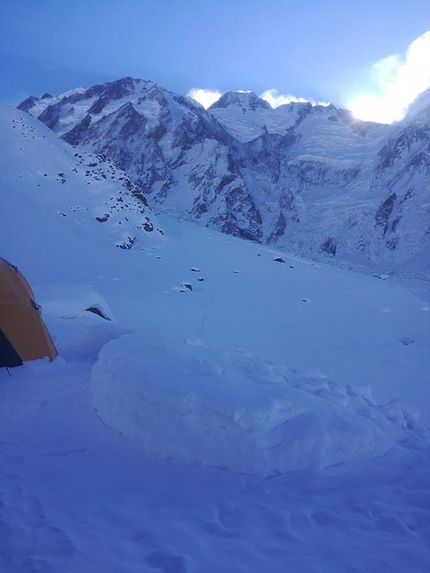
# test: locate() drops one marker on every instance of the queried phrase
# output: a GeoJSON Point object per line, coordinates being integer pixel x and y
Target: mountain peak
{"type": "Point", "coordinates": [247, 100]}
{"type": "Point", "coordinates": [421, 105]}
{"type": "Point", "coordinates": [28, 103]}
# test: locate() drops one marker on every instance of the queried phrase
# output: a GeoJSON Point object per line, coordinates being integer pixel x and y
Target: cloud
{"type": "Point", "coordinates": [276, 99]}
{"type": "Point", "coordinates": [205, 97]}
{"type": "Point", "coordinates": [399, 79]}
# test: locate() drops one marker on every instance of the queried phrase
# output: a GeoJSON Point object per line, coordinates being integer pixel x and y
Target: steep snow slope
{"type": "Point", "coordinates": [309, 179]}
{"type": "Point", "coordinates": [71, 187]}
{"type": "Point", "coordinates": [281, 357]}
{"type": "Point", "coordinates": [246, 116]}
{"type": "Point", "coordinates": [402, 170]}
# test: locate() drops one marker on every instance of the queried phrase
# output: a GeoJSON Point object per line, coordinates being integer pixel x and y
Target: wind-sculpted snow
{"type": "Point", "coordinates": [230, 167]}
{"type": "Point", "coordinates": [226, 409]}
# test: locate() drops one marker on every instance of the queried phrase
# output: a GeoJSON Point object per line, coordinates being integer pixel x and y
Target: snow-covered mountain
{"type": "Point", "coordinates": [305, 178]}
{"type": "Point", "coordinates": [239, 411]}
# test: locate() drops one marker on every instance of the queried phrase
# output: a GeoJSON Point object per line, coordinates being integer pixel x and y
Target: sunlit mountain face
{"type": "Point", "coordinates": [302, 177]}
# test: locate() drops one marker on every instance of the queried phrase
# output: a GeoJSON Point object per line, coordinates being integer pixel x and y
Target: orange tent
{"type": "Point", "coordinates": [23, 334]}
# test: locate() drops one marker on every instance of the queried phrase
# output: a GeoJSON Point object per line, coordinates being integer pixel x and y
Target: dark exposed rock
{"type": "Point", "coordinates": [392, 243]}
{"type": "Point", "coordinates": [139, 195]}
{"type": "Point", "coordinates": [309, 173]}
{"type": "Point", "coordinates": [199, 209]}
{"type": "Point", "coordinates": [196, 128]}
{"type": "Point", "coordinates": [394, 224]}
{"type": "Point", "coordinates": [127, 244]}
{"type": "Point", "coordinates": [329, 246]}
{"type": "Point", "coordinates": [76, 135]}
{"type": "Point", "coordinates": [28, 103]}
{"type": "Point", "coordinates": [395, 148]}
{"type": "Point", "coordinates": [384, 211]}
{"type": "Point", "coordinates": [98, 106]}
{"type": "Point", "coordinates": [279, 260]}
{"type": "Point", "coordinates": [51, 115]}
{"type": "Point", "coordinates": [408, 195]}
{"type": "Point", "coordinates": [96, 310]}
{"type": "Point", "coordinates": [287, 201]}
{"type": "Point", "coordinates": [111, 90]}
{"type": "Point", "coordinates": [279, 229]}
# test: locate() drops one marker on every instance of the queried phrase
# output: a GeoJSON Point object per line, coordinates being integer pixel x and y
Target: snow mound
{"type": "Point", "coordinates": [229, 410]}
{"type": "Point", "coordinates": [73, 301]}
{"type": "Point", "coordinates": [79, 318]}
{"type": "Point", "coordinates": [85, 340]}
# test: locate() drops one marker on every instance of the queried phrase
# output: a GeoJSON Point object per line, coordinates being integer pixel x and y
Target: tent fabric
{"type": "Point", "coordinates": [21, 324]}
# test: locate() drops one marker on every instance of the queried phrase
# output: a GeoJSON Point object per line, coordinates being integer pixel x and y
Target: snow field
{"type": "Point", "coordinates": [77, 497]}
{"type": "Point", "coordinates": [320, 472]}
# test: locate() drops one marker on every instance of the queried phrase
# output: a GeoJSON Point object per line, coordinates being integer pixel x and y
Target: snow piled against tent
{"type": "Point", "coordinates": [79, 318]}
{"type": "Point", "coordinates": [224, 408]}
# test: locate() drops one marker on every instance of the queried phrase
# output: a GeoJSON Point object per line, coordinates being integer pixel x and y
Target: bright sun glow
{"type": "Point", "coordinates": [399, 80]}
{"type": "Point", "coordinates": [204, 97]}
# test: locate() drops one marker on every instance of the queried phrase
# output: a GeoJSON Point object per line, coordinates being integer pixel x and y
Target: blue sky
{"type": "Point", "coordinates": [323, 50]}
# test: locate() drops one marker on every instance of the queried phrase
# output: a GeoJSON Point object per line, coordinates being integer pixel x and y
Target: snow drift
{"type": "Point", "coordinates": [227, 409]}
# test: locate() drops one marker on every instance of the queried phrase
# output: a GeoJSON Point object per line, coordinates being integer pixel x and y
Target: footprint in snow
{"type": "Point", "coordinates": [406, 340]}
